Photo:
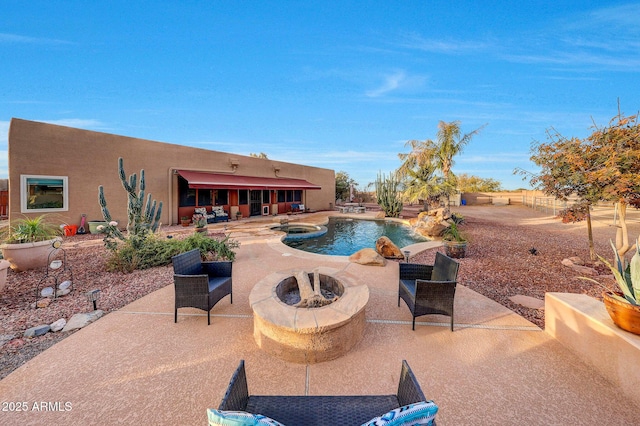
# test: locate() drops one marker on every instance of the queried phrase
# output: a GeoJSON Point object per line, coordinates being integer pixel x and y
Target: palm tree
{"type": "Point", "coordinates": [426, 157]}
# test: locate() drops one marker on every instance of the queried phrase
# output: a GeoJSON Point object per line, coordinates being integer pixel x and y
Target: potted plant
{"type": "Point", "coordinates": [200, 222]}
{"type": "Point", "coordinates": [238, 215]}
{"type": "Point", "coordinates": [184, 220]}
{"type": "Point", "coordinates": [455, 244]}
{"type": "Point", "coordinates": [624, 306]}
{"type": "Point", "coordinates": [28, 243]}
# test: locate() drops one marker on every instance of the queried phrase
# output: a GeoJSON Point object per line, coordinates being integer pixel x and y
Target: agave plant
{"type": "Point", "coordinates": [627, 275]}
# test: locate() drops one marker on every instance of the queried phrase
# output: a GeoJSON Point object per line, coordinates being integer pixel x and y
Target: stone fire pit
{"type": "Point", "coordinates": [308, 335]}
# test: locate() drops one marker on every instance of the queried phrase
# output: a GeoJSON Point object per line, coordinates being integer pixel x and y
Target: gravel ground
{"type": "Point", "coordinates": [498, 265]}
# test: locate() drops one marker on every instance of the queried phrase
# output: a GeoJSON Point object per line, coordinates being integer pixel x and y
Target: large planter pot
{"type": "Point", "coordinates": [26, 256]}
{"type": "Point", "coordinates": [455, 249]}
{"type": "Point", "coordinates": [624, 314]}
{"type": "Point", "coordinates": [93, 226]}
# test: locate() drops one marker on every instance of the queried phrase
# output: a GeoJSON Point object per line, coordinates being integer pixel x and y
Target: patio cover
{"type": "Point", "coordinates": [204, 180]}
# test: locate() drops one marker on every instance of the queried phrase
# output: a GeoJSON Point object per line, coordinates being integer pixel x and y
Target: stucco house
{"type": "Point", "coordinates": [56, 169]}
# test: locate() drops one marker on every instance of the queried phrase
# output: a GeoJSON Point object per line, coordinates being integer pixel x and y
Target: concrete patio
{"type": "Point", "coordinates": [135, 366]}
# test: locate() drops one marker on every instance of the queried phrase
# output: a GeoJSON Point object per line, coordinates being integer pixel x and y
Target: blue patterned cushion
{"type": "Point", "coordinates": [420, 413]}
{"type": "Point", "coordinates": [238, 418]}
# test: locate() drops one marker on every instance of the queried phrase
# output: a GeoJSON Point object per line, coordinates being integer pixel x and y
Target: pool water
{"type": "Point", "coordinates": [346, 236]}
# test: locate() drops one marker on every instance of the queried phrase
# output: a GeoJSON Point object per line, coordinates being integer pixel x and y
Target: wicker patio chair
{"type": "Point", "coordinates": [429, 289]}
{"type": "Point", "coordinates": [310, 410]}
{"type": "Point", "coordinates": [200, 284]}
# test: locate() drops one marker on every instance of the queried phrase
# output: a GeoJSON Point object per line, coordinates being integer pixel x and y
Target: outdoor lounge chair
{"type": "Point", "coordinates": [313, 410]}
{"type": "Point", "coordinates": [429, 289]}
{"type": "Point", "coordinates": [200, 284]}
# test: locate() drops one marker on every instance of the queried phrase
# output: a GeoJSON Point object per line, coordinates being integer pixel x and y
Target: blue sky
{"type": "Point", "coordinates": [336, 84]}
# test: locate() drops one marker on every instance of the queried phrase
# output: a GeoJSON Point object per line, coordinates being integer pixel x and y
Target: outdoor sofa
{"type": "Point", "coordinates": [324, 410]}
{"type": "Point", "coordinates": [218, 214]}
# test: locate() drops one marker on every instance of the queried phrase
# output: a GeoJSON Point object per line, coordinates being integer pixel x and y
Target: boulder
{"type": "Point", "coordinates": [367, 256]}
{"type": "Point", "coordinates": [387, 249]}
{"type": "Point", "coordinates": [380, 215]}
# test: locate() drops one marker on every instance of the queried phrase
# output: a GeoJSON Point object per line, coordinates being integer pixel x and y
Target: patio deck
{"type": "Point", "coordinates": [135, 366]}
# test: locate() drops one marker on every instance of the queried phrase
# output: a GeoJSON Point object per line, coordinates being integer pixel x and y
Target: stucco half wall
{"type": "Point", "coordinates": [89, 159]}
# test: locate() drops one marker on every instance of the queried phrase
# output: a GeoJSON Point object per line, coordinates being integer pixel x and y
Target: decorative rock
{"type": "Point", "coordinates": [576, 260]}
{"type": "Point", "coordinates": [58, 325]}
{"type": "Point", "coordinates": [387, 249]}
{"type": "Point", "coordinates": [43, 303]}
{"type": "Point", "coordinates": [38, 330]}
{"type": "Point", "coordinates": [46, 292]}
{"type": "Point", "coordinates": [585, 270]}
{"type": "Point", "coordinates": [63, 292]}
{"type": "Point", "coordinates": [367, 256]}
{"type": "Point", "coordinates": [64, 285]}
{"type": "Point", "coordinates": [380, 215]}
{"type": "Point", "coordinates": [82, 320]}
{"type": "Point", "coordinates": [567, 262]}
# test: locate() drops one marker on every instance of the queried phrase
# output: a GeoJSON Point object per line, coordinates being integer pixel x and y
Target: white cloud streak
{"type": "Point", "coordinates": [21, 39]}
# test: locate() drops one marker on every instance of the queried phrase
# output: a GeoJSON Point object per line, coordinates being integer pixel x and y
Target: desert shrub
{"type": "Point", "coordinates": [155, 250]}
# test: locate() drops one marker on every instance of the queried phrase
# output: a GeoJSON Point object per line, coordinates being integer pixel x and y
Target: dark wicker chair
{"type": "Point", "coordinates": [429, 289]}
{"type": "Point", "coordinates": [200, 284]}
{"type": "Point", "coordinates": [320, 410]}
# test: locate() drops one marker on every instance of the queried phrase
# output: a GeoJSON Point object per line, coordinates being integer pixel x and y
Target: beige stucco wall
{"type": "Point", "coordinates": [90, 159]}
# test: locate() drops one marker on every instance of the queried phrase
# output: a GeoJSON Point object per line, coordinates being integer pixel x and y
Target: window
{"type": "Point", "coordinates": [281, 198]}
{"type": "Point", "coordinates": [221, 196]}
{"type": "Point", "coordinates": [187, 195]}
{"type": "Point", "coordinates": [44, 193]}
{"type": "Point", "coordinates": [266, 197]}
{"type": "Point", "coordinates": [297, 195]}
{"type": "Point", "coordinates": [204, 197]}
{"type": "Point", "coordinates": [244, 197]}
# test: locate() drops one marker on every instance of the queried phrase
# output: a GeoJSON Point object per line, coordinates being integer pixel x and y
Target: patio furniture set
{"type": "Point", "coordinates": [351, 208]}
{"type": "Point", "coordinates": [426, 289]}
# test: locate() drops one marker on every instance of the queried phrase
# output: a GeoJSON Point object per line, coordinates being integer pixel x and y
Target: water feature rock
{"type": "Point", "coordinates": [387, 249]}
{"type": "Point", "coordinates": [82, 320]}
{"type": "Point", "coordinates": [367, 256]}
{"type": "Point", "coordinates": [38, 330]}
{"type": "Point", "coordinates": [430, 224]}
{"type": "Point", "coordinates": [58, 325]}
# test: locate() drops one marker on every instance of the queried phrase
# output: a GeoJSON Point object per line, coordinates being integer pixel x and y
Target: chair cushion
{"type": "Point", "coordinates": [215, 282]}
{"type": "Point", "coordinates": [420, 413]}
{"type": "Point", "coordinates": [201, 210]}
{"type": "Point", "coordinates": [238, 418]}
{"type": "Point", "coordinates": [410, 285]}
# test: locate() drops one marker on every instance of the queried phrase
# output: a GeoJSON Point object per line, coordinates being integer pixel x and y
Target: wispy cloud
{"type": "Point", "coordinates": [396, 81]}
{"type": "Point", "coordinates": [21, 39]}
{"type": "Point", "coordinates": [450, 46]}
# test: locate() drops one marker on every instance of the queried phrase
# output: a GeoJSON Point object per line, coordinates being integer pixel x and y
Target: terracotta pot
{"type": "Point", "coordinates": [455, 249]}
{"type": "Point", "coordinates": [624, 314]}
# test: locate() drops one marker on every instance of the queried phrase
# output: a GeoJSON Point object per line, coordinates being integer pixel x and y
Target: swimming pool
{"type": "Point", "coordinates": [346, 236]}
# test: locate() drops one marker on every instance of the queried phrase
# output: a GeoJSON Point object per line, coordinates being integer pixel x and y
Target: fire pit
{"type": "Point", "coordinates": [308, 334]}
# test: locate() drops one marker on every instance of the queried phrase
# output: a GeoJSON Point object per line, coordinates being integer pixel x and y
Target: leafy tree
{"type": "Point", "coordinates": [468, 183]}
{"type": "Point", "coordinates": [261, 155]}
{"type": "Point", "coordinates": [564, 166]}
{"type": "Point", "coordinates": [343, 185]}
{"type": "Point", "coordinates": [602, 167]}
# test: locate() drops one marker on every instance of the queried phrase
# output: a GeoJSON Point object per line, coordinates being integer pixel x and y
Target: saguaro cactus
{"type": "Point", "coordinates": [387, 194]}
{"type": "Point", "coordinates": [142, 217]}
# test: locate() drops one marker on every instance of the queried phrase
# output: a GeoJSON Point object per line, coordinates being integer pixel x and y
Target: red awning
{"type": "Point", "coordinates": [206, 180]}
